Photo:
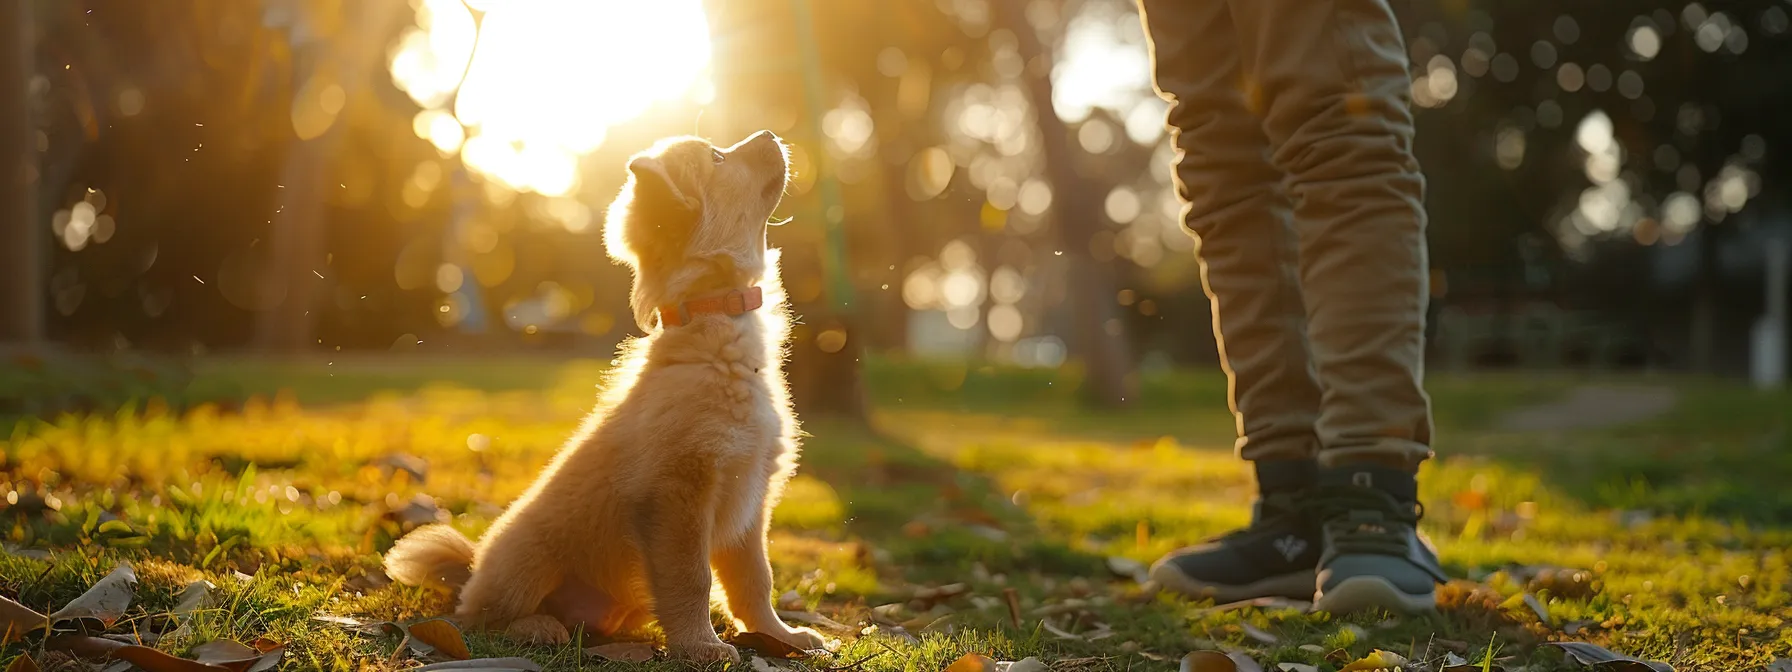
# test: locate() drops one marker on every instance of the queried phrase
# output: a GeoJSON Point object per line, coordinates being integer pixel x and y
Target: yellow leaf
{"type": "Point", "coordinates": [442, 635]}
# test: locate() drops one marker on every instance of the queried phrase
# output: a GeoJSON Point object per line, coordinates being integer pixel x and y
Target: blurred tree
{"type": "Point", "coordinates": [338, 48]}
{"type": "Point", "coordinates": [1100, 336]}
{"type": "Point", "coordinates": [21, 234]}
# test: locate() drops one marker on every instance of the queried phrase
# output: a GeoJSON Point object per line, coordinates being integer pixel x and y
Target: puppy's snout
{"type": "Point", "coordinates": [764, 137]}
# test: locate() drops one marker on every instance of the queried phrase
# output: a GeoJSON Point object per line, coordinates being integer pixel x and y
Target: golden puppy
{"type": "Point", "coordinates": [677, 470]}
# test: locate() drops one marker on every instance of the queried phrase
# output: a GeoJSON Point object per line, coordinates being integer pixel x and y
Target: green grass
{"type": "Point", "coordinates": [284, 493]}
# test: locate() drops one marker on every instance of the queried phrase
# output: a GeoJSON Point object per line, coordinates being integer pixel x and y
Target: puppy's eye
{"type": "Point", "coordinates": [718, 156]}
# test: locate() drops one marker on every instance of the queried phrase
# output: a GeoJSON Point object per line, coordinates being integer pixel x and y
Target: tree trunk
{"type": "Point", "coordinates": [21, 235]}
{"type": "Point", "coordinates": [1100, 336]}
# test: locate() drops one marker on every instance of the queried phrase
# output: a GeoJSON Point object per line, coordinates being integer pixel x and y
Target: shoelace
{"type": "Point", "coordinates": [1362, 520]}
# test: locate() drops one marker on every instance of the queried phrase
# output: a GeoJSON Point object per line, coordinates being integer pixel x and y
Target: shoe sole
{"type": "Point", "coordinates": [1294, 585]}
{"type": "Point", "coordinates": [1361, 593]}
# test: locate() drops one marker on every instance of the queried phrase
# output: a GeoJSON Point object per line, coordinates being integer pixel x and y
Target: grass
{"type": "Point", "coordinates": [1671, 534]}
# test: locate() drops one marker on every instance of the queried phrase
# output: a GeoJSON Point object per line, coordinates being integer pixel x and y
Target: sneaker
{"type": "Point", "coordinates": [1275, 556]}
{"type": "Point", "coordinates": [1374, 557]}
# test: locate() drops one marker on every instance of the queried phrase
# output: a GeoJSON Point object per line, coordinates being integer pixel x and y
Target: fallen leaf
{"type": "Point", "coordinates": [1261, 603]}
{"type": "Point", "coordinates": [972, 662]}
{"type": "Point", "coordinates": [1376, 660]}
{"type": "Point", "coordinates": [790, 600]}
{"type": "Point", "coordinates": [1058, 632]}
{"type": "Point", "coordinates": [767, 645]}
{"type": "Point", "coordinates": [762, 665]}
{"type": "Point", "coordinates": [1780, 665]}
{"type": "Point", "coordinates": [19, 620]}
{"type": "Point", "coordinates": [1312, 648]}
{"type": "Point", "coordinates": [623, 652]}
{"type": "Point", "coordinates": [23, 663]}
{"type": "Point", "coordinates": [442, 636]}
{"type": "Point", "coordinates": [1296, 667]}
{"type": "Point", "coordinates": [1255, 633]}
{"type": "Point", "coordinates": [813, 618]}
{"type": "Point", "coordinates": [1214, 661]}
{"type": "Point", "coordinates": [1575, 627]}
{"type": "Point", "coordinates": [484, 665]}
{"type": "Point", "coordinates": [1455, 663]}
{"type": "Point", "coordinates": [1128, 568]}
{"type": "Point", "coordinates": [106, 601]}
{"type": "Point", "coordinates": [196, 596]}
{"type": "Point", "coordinates": [1606, 660]}
{"type": "Point", "coordinates": [240, 657]}
{"type": "Point", "coordinates": [1028, 664]}
{"type": "Point", "coordinates": [1537, 608]}
{"type": "Point", "coordinates": [150, 660]}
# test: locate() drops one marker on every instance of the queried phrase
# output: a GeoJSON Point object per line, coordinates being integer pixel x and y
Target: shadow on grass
{"type": "Point", "coordinates": [934, 520]}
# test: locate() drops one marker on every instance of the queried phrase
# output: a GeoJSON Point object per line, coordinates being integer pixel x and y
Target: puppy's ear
{"type": "Point", "coordinates": [654, 186]}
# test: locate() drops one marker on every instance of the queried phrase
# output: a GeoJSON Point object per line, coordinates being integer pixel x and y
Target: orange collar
{"type": "Point", "coordinates": [735, 302]}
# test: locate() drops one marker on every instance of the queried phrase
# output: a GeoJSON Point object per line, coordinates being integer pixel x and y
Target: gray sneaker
{"type": "Point", "coordinates": [1374, 557]}
{"type": "Point", "coordinates": [1274, 556]}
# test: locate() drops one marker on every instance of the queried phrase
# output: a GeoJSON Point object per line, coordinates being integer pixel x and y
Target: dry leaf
{"type": "Point", "coordinates": [106, 601]}
{"type": "Point", "coordinates": [1296, 667]}
{"type": "Point", "coordinates": [196, 596]}
{"type": "Point", "coordinates": [19, 620]}
{"type": "Point", "coordinates": [1058, 632]}
{"type": "Point", "coordinates": [484, 665]}
{"type": "Point", "coordinates": [1254, 633]}
{"type": "Point", "coordinates": [1028, 664]}
{"type": "Point", "coordinates": [813, 618]}
{"type": "Point", "coordinates": [1537, 608]}
{"type": "Point", "coordinates": [150, 660]}
{"type": "Point", "coordinates": [1128, 568]}
{"type": "Point", "coordinates": [239, 657]}
{"type": "Point", "coordinates": [972, 662]}
{"type": "Point", "coordinates": [1214, 661]}
{"type": "Point", "coordinates": [1376, 660]}
{"type": "Point", "coordinates": [1455, 663]}
{"type": "Point", "coordinates": [762, 665]}
{"type": "Point", "coordinates": [623, 652]}
{"type": "Point", "coordinates": [442, 636]}
{"type": "Point", "coordinates": [1780, 665]}
{"type": "Point", "coordinates": [23, 663]}
{"type": "Point", "coordinates": [791, 600]}
{"type": "Point", "coordinates": [767, 645]}
{"type": "Point", "coordinates": [1605, 660]}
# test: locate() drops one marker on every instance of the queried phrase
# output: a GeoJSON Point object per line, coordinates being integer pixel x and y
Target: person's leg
{"type": "Point", "coordinates": [1336, 91]}
{"type": "Point", "coordinates": [1235, 205]}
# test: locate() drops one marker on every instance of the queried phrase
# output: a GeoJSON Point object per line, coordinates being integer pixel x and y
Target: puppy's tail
{"type": "Point", "coordinates": [434, 556]}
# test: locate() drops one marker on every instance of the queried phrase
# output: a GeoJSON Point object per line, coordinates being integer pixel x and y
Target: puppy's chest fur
{"type": "Point", "coordinates": [743, 407]}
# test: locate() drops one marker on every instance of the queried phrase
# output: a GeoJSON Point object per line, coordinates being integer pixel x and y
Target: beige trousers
{"type": "Point", "coordinates": [1293, 126]}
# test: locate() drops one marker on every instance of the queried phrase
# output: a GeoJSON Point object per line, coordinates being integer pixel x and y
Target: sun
{"type": "Point", "coordinates": [544, 80]}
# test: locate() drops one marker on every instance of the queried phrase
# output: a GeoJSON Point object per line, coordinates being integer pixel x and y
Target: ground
{"type": "Point", "coordinates": [1662, 535]}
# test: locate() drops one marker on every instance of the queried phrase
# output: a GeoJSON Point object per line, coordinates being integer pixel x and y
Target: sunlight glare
{"type": "Point", "coordinates": [546, 79]}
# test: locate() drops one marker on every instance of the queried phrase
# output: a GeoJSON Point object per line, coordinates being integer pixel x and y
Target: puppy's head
{"type": "Point", "coordinates": [693, 215]}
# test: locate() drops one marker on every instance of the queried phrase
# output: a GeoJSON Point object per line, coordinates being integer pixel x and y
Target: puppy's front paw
{"type": "Point", "coordinates": [712, 651]}
{"type": "Point", "coordinates": [802, 638]}
{"type": "Point", "coordinates": [538, 629]}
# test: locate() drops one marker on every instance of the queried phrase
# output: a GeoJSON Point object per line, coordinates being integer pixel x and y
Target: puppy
{"type": "Point", "coordinates": [675, 473]}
